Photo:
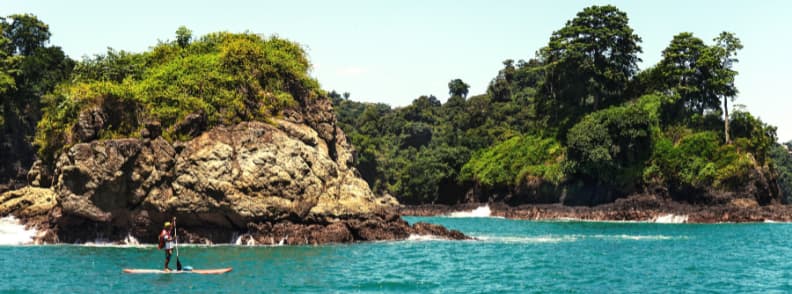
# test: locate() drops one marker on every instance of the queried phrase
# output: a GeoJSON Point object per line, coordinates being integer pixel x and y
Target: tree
{"type": "Point", "coordinates": [183, 36]}
{"type": "Point", "coordinates": [700, 75]}
{"type": "Point", "coordinates": [723, 53]}
{"type": "Point", "coordinates": [457, 87]}
{"type": "Point", "coordinates": [500, 87]}
{"type": "Point", "coordinates": [26, 33]}
{"type": "Point", "coordinates": [592, 58]}
{"type": "Point", "coordinates": [681, 70]}
{"type": "Point", "coordinates": [610, 146]}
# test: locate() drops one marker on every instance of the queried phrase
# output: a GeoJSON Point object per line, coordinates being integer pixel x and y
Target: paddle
{"type": "Point", "coordinates": [176, 239]}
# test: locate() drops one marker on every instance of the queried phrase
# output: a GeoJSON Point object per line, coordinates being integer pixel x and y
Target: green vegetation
{"type": "Point", "coordinates": [516, 160]}
{"type": "Point", "coordinates": [228, 78]}
{"type": "Point", "coordinates": [579, 115]}
{"type": "Point", "coordinates": [782, 158]}
{"type": "Point", "coordinates": [29, 68]}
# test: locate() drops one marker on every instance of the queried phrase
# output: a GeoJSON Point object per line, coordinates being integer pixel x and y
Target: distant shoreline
{"type": "Point", "coordinates": [643, 208]}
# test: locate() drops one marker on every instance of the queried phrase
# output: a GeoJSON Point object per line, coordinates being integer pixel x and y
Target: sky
{"type": "Point", "coordinates": [396, 51]}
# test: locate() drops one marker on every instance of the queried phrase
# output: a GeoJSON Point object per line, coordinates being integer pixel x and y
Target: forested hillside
{"type": "Point", "coordinates": [29, 68]}
{"type": "Point", "coordinates": [579, 124]}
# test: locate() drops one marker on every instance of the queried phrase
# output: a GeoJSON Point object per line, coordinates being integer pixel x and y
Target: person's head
{"type": "Point", "coordinates": [167, 225]}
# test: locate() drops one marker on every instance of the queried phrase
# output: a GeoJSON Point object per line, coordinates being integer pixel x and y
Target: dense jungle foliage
{"type": "Point", "coordinates": [579, 113]}
{"type": "Point", "coordinates": [29, 68]}
{"type": "Point", "coordinates": [578, 116]}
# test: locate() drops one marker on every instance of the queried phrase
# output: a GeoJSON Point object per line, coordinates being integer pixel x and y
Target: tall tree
{"type": "Point", "coordinates": [183, 36]}
{"type": "Point", "coordinates": [457, 87]}
{"type": "Point", "coordinates": [26, 33]}
{"type": "Point", "coordinates": [684, 75]}
{"type": "Point", "coordinates": [592, 58]}
{"type": "Point", "coordinates": [700, 75]}
{"type": "Point", "coordinates": [500, 87]}
{"type": "Point", "coordinates": [724, 54]}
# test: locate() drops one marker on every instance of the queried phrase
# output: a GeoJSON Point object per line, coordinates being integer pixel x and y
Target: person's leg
{"type": "Point", "coordinates": [167, 259]}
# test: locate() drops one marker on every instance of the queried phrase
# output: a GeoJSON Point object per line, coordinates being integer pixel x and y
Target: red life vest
{"type": "Point", "coordinates": [163, 237]}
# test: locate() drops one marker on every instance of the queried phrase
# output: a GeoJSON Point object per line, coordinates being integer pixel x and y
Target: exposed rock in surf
{"type": "Point", "coordinates": [648, 208]}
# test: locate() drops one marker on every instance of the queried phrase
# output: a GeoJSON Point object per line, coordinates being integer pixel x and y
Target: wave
{"type": "Point", "coordinates": [770, 221]}
{"type": "Point", "coordinates": [637, 237]}
{"type": "Point", "coordinates": [417, 237]}
{"type": "Point", "coordinates": [574, 238]}
{"type": "Point", "coordinates": [532, 239]}
{"type": "Point", "coordinates": [12, 232]}
{"type": "Point", "coordinates": [483, 211]}
{"type": "Point", "coordinates": [248, 240]}
{"type": "Point", "coordinates": [670, 219]}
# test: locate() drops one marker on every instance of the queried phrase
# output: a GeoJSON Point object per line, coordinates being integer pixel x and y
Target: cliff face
{"type": "Point", "coordinates": [290, 179]}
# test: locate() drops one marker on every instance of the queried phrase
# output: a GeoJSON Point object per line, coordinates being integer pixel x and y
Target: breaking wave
{"type": "Point", "coordinates": [483, 211]}
{"type": "Point", "coordinates": [12, 232]}
{"type": "Point", "coordinates": [416, 237]}
{"type": "Point", "coordinates": [670, 219]}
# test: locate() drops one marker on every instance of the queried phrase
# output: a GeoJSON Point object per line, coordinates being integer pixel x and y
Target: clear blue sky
{"type": "Point", "coordinates": [395, 51]}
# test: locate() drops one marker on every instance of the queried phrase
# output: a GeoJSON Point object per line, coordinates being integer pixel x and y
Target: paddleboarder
{"type": "Point", "coordinates": [166, 243]}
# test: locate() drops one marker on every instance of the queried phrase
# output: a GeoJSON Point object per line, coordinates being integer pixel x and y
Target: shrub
{"type": "Point", "coordinates": [514, 160]}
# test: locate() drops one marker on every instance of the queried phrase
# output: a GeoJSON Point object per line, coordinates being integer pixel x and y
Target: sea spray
{"type": "Point", "coordinates": [12, 232]}
{"type": "Point", "coordinates": [670, 219]}
{"type": "Point", "coordinates": [131, 240]}
{"type": "Point", "coordinates": [240, 240]}
{"type": "Point", "coordinates": [416, 237]}
{"type": "Point", "coordinates": [483, 211]}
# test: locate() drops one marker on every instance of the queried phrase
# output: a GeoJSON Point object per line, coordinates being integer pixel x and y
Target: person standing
{"type": "Point", "coordinates": [166, 243]}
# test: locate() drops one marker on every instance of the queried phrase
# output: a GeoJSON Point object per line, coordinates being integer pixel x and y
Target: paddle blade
{"type": "Point", "coordinates": [178, 264]}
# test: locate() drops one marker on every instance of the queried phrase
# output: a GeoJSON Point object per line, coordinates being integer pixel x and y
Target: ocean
{"type": "Point", "coordinates": [511, 256]}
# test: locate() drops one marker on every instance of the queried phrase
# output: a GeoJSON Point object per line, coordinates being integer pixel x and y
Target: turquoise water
{"type": "Point", "coordinates": [512, 257]}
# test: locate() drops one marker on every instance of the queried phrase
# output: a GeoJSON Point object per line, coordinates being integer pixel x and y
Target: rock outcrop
{"type": "Point", "coordinates": [644, 207]}
{"type": "Point", "coordinates": [28, 202]}
{"type": "Point", "coordinates": [285, 181]}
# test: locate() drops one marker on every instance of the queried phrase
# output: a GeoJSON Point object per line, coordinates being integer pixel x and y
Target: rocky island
{"type": "Point", "coordinates": [242, 148]}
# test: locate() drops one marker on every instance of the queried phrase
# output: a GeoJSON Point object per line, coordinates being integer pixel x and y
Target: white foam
{"type": "Point", "coordinates": [635, 237]}
{"type": "Point", "coordinates": [533, 239]}
{"type": "Point", "coordinates": [483, 211]}
{"type": "Point", "coordinates": [670, 219]}
{"type": "Point", "coordinates": [236, 239]}
{"type": "Point", "coordinates": [243, 240]}
{"type": "Point", "coordinates": [416, 237]}
{"type": "Point", "coordinates": [571, 238]}
{"type": "Point", "coordinates": [131, 240]}
{"type": "Point", "coordinates": [12, 232]}
{"type": "Point", "coordinates": [770, 221]}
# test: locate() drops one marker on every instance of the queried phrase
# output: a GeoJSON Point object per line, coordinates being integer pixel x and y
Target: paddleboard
{"type": "Point", "coordinates": [216, 271]}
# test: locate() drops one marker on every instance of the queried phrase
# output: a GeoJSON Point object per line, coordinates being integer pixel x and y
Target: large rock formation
{"type": "Point", "coordinates": [289, 180]}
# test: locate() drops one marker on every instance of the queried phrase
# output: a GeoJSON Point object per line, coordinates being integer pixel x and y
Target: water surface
{"type": "Point", "coordinates": [513, 256]}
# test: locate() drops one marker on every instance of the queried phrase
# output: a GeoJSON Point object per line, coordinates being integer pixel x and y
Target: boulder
{"type": "Point", "coordinates": [27, 202]}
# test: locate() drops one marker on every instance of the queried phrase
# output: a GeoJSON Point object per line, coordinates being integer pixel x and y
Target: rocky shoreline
{"type": "Point", "coordinates": [38, 210]}
{"type": "Point", "coordinates": [648, 208]}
